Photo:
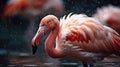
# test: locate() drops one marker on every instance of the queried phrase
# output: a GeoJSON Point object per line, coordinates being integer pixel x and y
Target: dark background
{"type": "Point", "coordinates": [12, 32]}
{"type": "Point", "coordinates": [12, 28]}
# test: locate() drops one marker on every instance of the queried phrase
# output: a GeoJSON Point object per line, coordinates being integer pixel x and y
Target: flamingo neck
{"type": "Point", "coordinates": [49, 44]}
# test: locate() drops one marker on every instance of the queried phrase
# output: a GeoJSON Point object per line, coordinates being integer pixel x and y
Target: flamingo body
{"type": "Point", "coordinates": [32, 7]}
{"type": "Point", "coordinates": [86, 37]}
{"type": "Point", "coordinates": [110, 16]}
{"type": "Point", "coordinates": [78, 37]}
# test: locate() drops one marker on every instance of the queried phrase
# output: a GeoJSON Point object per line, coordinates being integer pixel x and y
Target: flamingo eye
{"type": "Point", "coordinates": [46, 23]}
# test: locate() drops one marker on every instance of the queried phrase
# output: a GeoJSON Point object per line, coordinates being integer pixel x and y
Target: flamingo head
{"type": "Point", "coordinates": [47, 24]}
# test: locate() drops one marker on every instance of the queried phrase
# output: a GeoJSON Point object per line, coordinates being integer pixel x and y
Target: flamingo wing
{"type": "Point", "coordinates": [88, 35]}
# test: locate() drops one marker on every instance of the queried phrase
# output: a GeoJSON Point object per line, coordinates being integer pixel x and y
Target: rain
{"type": "Point", "coordinates": [18, 27]}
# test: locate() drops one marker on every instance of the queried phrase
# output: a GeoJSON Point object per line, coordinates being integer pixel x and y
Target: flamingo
{"type": "Point", "coordinates": [32, 7]}
{"type": "Point", "coordinates": [110, 16]}
{"type": "Point", "coordinates": [78, 37]}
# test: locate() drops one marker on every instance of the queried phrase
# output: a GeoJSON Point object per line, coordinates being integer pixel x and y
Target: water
{"type": "Point", "coordinates": [13, 38]}
{"type": "Point", "coordinates": [28, 60]}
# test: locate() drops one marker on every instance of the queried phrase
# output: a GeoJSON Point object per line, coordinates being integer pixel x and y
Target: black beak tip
{"type": "Point", "coordinates": [34, 49]}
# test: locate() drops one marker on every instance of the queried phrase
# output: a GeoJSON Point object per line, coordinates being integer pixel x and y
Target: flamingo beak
{"type": "Point", "coordinates": [37, 38]}
{"type": "Point", "coordinates": [34, 49]}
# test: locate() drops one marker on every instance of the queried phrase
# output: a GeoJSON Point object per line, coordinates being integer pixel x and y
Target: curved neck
{"type": "Point", "coordinates": [49, 44]}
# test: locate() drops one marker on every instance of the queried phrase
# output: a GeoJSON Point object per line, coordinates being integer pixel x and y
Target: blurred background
{"type": "Point", "coordinates": [19, 20]}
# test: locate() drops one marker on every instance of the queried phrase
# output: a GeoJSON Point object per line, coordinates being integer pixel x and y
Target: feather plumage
{"type": "Point", "coordinates": [86, 33]}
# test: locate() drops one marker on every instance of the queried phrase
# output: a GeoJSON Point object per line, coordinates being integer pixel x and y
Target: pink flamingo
{"type": "Point", "coordinates": [110, 16]}
{"type": "Point", "coordinates": [77, 37]}
{"type": "Point", "coordinates": [32, 7]}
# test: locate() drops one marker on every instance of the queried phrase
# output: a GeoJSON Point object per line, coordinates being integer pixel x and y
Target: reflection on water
{"type": "Point", "coordinates": [28, 60]}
